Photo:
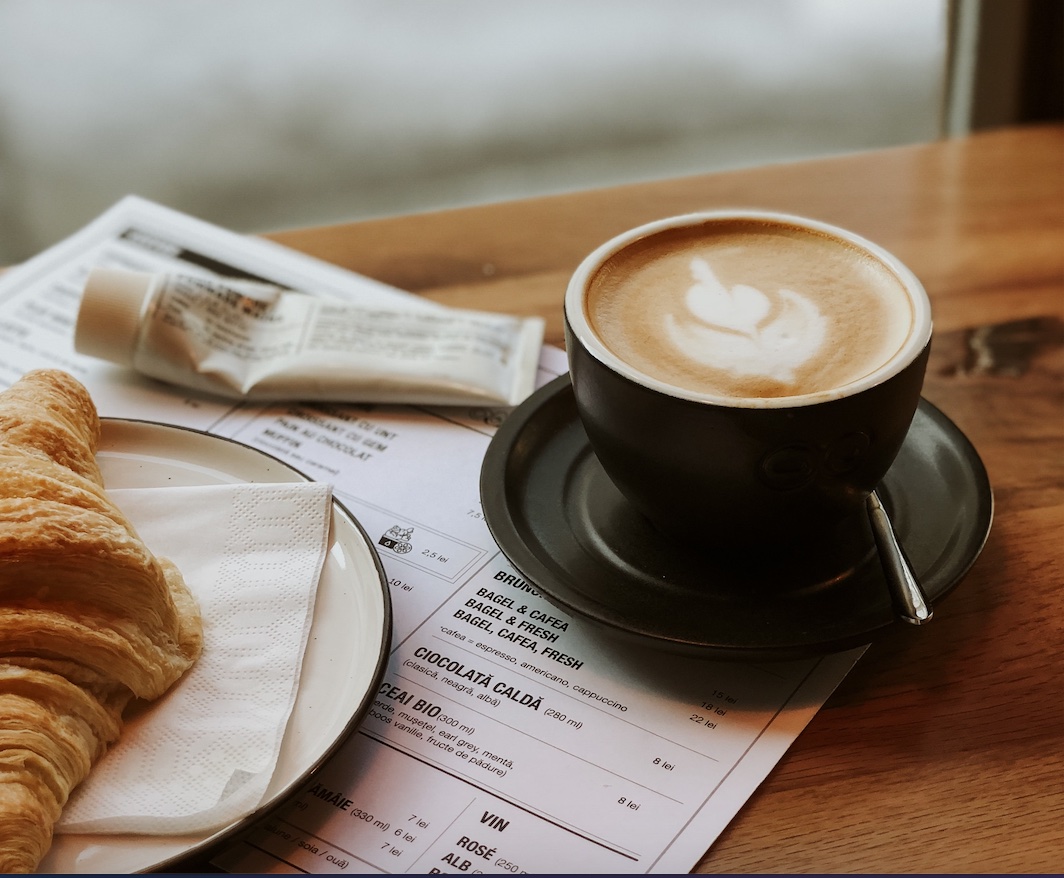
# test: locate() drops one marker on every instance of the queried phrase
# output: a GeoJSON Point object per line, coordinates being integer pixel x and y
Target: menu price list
{"type": "Point", "coordinates": [455, 828]}
{"type": "Point", "coordinates": [524, 763]}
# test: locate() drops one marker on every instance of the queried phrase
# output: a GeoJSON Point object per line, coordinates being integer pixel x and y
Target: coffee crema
{"type": "Point", "coordinates": [749, 308]}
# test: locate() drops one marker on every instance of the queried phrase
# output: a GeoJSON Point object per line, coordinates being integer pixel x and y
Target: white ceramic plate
{"type": "Point", "coordinates": [346, 653]}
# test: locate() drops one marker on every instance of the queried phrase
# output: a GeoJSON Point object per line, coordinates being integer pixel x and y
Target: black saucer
{"type": "Point", "coordinates": [563, 525]}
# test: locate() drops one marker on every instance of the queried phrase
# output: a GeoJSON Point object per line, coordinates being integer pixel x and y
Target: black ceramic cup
{"type": "Point", "coordinates": [735, 468]}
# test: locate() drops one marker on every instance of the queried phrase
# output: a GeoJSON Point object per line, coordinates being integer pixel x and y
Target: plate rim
{"type": "Point", "coordinates": [527, 559]}
{"type": "Point", "coordinates": [205, 845]}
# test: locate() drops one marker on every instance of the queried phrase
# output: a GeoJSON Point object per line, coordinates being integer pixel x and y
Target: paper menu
{"type": "Point", "coordinates": [507, 736]}
{"type": "Point", "coordinates": [582, 753]}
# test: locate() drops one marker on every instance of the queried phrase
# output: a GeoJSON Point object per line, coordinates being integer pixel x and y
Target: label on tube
{"type": "Point", "coordinates": [244, 340]}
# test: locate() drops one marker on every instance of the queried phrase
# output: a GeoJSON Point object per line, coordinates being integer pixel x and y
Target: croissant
{"type": "Point", "coordinates": [90, 619]}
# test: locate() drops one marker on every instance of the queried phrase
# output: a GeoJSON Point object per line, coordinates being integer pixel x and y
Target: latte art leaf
{"type": "Point", "coordinates": [724, 328]}
{"type": "Point", "coordinates": [741, 308]}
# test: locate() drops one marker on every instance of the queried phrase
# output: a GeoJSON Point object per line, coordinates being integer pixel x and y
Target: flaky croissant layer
{"type": "Point", "coordinates": [89, 618]}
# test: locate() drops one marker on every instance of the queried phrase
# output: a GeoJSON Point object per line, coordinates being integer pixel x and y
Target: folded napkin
{"type": "Point", "coordinates": [202, 755]}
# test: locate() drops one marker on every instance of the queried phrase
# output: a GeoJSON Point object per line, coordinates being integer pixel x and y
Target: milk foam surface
{"type": "Point", "coordinates": [749, 308]}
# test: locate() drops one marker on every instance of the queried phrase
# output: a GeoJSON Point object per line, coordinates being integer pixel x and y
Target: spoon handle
{"type": "Point", "coordinates": [909, 599]}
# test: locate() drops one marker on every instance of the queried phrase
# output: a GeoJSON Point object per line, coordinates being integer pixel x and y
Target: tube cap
{"type": "Point", "coordinates": [110, 314]}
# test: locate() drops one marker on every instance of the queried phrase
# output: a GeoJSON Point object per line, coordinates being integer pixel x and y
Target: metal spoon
{"type": "Point", "coordinates": [909, 599]}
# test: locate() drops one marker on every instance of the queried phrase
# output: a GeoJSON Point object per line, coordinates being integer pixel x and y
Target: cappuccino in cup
{"type": "Point", "coordinates": [749, 308]}
{"type": "Point", "coordinates": [745, 377]}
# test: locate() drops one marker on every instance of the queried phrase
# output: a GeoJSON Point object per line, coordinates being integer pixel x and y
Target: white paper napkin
{"type": "Point", "coordinates": [202, 755]}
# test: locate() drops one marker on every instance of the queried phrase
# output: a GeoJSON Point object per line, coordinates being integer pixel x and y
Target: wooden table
{"type": "Point", "coordinates": [942, 750]}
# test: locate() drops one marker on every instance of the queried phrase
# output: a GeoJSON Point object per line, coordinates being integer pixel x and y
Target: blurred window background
{"type": "Point", "coordinates": [267, 114]}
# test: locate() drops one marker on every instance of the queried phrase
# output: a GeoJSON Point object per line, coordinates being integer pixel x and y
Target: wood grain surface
{"type": "Point", "coordinates": [943, 750]}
